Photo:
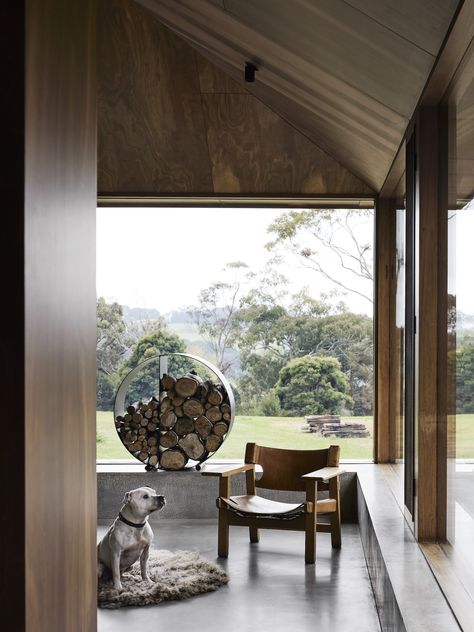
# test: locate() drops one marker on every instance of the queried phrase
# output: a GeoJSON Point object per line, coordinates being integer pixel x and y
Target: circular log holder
{"type": "Point", "coordinates": [119, 407]}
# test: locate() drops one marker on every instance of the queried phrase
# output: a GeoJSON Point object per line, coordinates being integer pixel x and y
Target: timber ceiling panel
{"type": "Point", "coordinates": [348, 74]}
{"type": "Point", "coordinates": [461, 111]}
{"type": "Point", "coordinates": [172, 122]}
{"type": "Point", "coordinates": [419, 22]}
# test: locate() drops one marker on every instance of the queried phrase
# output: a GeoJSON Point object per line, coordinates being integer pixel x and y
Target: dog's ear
{"type": "Point", "coordinates": [127, 498]}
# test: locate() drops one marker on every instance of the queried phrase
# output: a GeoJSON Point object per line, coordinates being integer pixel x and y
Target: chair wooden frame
{"type": "Point", "coordinates": [324, 478]}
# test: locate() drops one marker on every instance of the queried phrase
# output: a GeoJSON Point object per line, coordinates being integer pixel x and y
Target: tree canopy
{"type": "Point", "coordinates": [313, 386]}
{"type": "Point", "coordinates": [112, 343]}
{"type": "Point", "coordinates": [112, 340]}
{"type": "Point", "coordinates": [216, 314]}
{"type": "Point", "coordinates": [145, 385]}
{"type": "Point", "coordinates": [273, 335]}
{"type": "Point", "coordinates": [465, 378]}
{"type": "Point", "coordinates": [317, 237]}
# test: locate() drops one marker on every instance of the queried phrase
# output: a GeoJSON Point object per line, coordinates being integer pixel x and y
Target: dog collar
{"type": "Point", "coordinates": [131, 524]}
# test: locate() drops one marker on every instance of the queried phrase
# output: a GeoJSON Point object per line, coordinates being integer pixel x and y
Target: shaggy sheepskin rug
{"type": "Point", "coordinates": [177, 575]}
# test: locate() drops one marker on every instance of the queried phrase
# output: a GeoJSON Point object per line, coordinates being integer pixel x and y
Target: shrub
{"type": "Point", "coordinates": [313, 385]}
{"type": "Point", "coordinates": [270, 404]}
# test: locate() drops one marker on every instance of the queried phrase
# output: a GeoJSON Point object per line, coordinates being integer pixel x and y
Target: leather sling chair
{"type": "Point", "coordinates": [290, 470]}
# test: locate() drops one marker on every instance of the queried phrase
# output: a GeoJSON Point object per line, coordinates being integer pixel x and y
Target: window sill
{"type": "Point", "coordinates": [129, 465]}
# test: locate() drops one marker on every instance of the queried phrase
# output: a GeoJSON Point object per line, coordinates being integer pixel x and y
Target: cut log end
{"type": "Point", "coordinates": [187, 385]}
{"type": "Point", "coordinates": [184, 426]}
{"type": "Point", "coordinates": [192, 408]}
{"type": "Point", "coordinates": [169, 439]}
{"type": "Point", "coordinates": [215, 397]}
{"type": "Point", "coordinates": [168, 419]}
{"type": "Point", "coordinates": [153, 460]}
{"type": "Point", "coordinates": [214, 414]}
{"type": "Point", "coordinates": [192, 446]}
{"type": "Point", "coordinates": [167, 382]}
{"type": "Point", "coordinates": [213, 442]}
{"type": "Point", "coordinates": [220, 428]}
{"type": "Point", "coordinates": [203, 426]}
{"type": "Point", "coordinates": [173, 459]}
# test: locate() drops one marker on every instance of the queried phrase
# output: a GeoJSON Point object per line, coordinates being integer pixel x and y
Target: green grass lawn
{"type": "Point", "coordinates": [286, 432]}
{"type": "Point", "coordinates": [282, 432]}
{"type": "Point", "coordinates": [109, 445]}
{"type": "Point", "coordinates": [278, 432]}
{"type": "Point", "coordinates": [464, 425]}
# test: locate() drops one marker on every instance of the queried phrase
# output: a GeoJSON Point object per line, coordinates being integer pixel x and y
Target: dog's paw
{"type": "Point", "coordinates": [148, 579]}
{"type": "Point", "coordinates": [118, 587]}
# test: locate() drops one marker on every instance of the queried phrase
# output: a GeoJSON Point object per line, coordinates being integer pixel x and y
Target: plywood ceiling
{"type": "Point", "coordinates": [347, 74]}
{"type": "Point", "coordinates": [170, 122]}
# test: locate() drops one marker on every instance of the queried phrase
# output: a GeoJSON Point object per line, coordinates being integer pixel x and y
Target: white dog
{"type": "Point", "coordinates": [130, 536]}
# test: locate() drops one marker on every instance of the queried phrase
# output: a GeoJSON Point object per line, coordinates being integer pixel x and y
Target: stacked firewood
{"type": "Point", "coordinates": [188, 420]}
{"type": "Point", "coordinates": [138, 430]}
{"type": "Point", "coordinates": [332, 426]}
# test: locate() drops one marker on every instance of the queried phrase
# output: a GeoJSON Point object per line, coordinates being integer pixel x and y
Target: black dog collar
{"type": "Point", "coordinates": [131, 524]}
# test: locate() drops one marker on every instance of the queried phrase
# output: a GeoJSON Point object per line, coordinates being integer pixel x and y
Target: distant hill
{"type": "Point", "coordinates": [188, 331]}
{"type": "Point", "coordinates": [465, 321]}
{"type": "Point", "coordinates": [179, 322]}
{"type": "Point", "coordinates": [135, 314]}
{"type": "Point", "coordinates": [178, 316]}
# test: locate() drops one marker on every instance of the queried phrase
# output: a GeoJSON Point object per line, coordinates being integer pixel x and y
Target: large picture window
{"type": "Point", "coordinates": [280, 300]}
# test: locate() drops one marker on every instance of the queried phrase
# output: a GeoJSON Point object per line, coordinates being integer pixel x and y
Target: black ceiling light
{"type": "Point", "coordinates": [250, 70]}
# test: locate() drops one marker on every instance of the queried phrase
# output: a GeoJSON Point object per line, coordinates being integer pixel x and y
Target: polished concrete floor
{"type": "Point", "coordinates": [270, 590]}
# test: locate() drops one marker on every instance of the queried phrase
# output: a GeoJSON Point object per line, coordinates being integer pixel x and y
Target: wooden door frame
{"type": "Point", "coordinates": [48, 355]}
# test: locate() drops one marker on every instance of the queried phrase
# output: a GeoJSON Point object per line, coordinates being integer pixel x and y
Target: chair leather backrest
{"type": "Point", "coordinates": [283, 469]}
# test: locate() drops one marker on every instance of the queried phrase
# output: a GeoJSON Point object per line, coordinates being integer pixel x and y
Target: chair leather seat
{"type": "Point", "coordinates": [258, 506]}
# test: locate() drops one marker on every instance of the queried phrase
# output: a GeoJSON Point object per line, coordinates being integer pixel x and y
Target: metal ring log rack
{"type": "Point", "coordinates": [119, 404]}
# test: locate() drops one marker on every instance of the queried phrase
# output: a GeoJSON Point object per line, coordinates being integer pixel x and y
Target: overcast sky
{"type": "Point", "coordinates": [461, 245]}
{"type": "Point", "coordinates": [162, 257]}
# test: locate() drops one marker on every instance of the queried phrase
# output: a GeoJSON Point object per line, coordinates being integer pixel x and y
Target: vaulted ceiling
{"type": "Point", "coordinates": [172, 123]}
{"type": "Point", "coordinates": [346, 73]}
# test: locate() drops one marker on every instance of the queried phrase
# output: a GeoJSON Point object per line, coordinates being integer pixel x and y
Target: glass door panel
{"type": "Point", "coordinates": [410, 325]}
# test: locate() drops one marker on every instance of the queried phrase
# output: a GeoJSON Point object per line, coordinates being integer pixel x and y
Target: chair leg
{"type": "Point", "coordinates": [335, 518]}
{"type": "Point", "coordinates": [254, 534]}
{"type": "Point", "coordinates": [335, 530]}
{"type": "Point", "coordinates": [223, 534]}
{"type": "Point", "coordinates": [310, 539]}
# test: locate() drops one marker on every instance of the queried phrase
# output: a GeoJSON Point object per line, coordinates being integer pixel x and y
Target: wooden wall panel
{"type": "Point", "coordinates": [59, 325]}
{"type": "Point", "coordinates": [213, 80]}
{"type": "Point", "coordinates": [172, 122]}
{"type": "Point", "coordinates": [151, 129]}
{"type": "Point", "coordinates": [254, 151]}
{"type": "Point", "coordinates": [426, 442]}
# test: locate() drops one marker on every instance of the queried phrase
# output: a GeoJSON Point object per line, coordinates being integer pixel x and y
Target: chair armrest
{"type": "Point", "coordinates": [324, 474]}
{"type": "Point", "coordinates": [224, 471]}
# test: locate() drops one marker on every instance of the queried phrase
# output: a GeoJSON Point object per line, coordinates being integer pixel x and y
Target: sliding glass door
{"type": "Point", "coordinates": [410, 377]}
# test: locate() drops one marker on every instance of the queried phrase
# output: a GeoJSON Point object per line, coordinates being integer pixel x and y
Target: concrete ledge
{"type": "Point", "coordinates": [191, 495]}
{"type": "Point", "coordinates": [407, 595]}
